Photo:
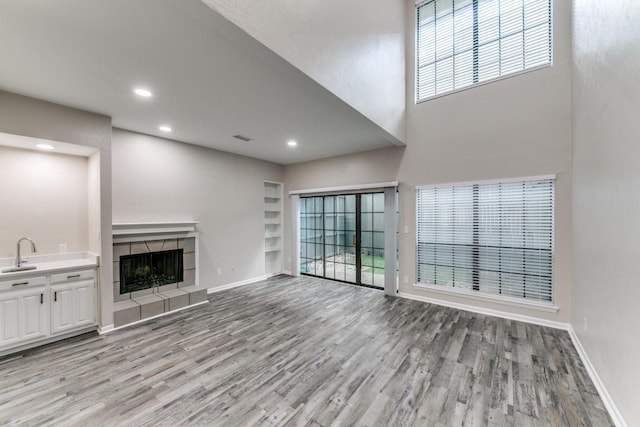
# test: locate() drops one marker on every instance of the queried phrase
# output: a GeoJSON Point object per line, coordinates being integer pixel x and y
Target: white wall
{"type": "Point", "coordinates": [355, 49]}
{"type": "Point", "coordinates": [606, 195]}
{"type": "Point", "coordinates": [516, 127]}
{"type": "Point", "coordinates": [40, 189]}
{"type": "Point", "coordinates": [157, 180]}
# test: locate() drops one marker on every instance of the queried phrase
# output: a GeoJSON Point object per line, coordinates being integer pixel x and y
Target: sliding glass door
{"type": "Point", "coordinates": [342, 238]}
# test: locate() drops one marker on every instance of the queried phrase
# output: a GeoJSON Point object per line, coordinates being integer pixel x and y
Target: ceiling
{"type": "Point", "coordinates": [210, 79]}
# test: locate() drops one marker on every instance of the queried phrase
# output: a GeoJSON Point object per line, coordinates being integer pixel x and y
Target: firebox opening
{"type": "Point", "coordinates": [148, 270]}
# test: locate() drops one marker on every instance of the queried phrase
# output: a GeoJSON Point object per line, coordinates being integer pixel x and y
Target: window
{"type": "Point", "coordinates": [493, 238]}
{"type": "Point", "coordinates": [461, 43]}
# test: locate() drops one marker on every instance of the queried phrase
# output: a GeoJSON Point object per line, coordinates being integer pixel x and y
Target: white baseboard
{"type": "Point", "coordinates": [110, 328]}
{"type": "Point", "coordinates": [488, 311]}
{"type": "Point", "coordinates": [287, 272]}
{"type": "Point", "coordinates": [49, 340]}
{"type": "Point", "coordinates": [602, 391]}
{"type": "Point", "coordinates": [593, 374]}
{"type": "Point", "coordinates": [105, 329]}
{"type": "Point", "coordinates": [240, 283]}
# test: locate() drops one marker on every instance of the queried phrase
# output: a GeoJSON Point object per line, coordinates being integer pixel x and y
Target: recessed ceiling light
{"type": "Point", "coordinates": [45, 146]}
{"type": "Point", "coordinates": [292, 143]}
{"type": "Point", "coordinates": [145, 93]}
{"type": "Point", "coordinates": [165, 128]}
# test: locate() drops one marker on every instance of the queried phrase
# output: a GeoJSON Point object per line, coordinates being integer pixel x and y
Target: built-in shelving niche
{"type": "Point", "coordinates": [273, 227]}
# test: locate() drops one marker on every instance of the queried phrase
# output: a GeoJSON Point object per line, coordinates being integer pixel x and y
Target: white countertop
{"type": "Point", "coordinates": [46, 264]}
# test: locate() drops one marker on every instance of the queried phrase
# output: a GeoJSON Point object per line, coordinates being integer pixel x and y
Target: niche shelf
{"type": "Point", "coordinates": [273, 227]}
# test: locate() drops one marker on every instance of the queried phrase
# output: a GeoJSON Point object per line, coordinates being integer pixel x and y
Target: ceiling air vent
{"type": "Point", "coordinates": [242, 138]}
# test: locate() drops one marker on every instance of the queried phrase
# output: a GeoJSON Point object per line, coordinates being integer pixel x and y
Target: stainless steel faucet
{"type": "Point", "coordinates": [19, 262]}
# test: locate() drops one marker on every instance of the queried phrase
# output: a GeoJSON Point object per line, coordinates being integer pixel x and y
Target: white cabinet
{"type": "Point", "coordinates": [41, 307]}
{"type": "Point", "coordinates": [73, 302]}
{"type": "Point", "coordinates": [34, 312]}
{"type": "Point", "coordinates": [24, 310]}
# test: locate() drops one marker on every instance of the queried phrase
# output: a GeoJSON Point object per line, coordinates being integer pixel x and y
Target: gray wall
{"type": "Point", "coordinates": [515, 127]}
{"type": "Point", "coordinates": [40, 189]}
{"type": "Point", "coordinates": [606, 194]}
{"type": "Point", "coordinates": [156, 180]}
{"type": "Point", "coordinates": [362, 168]}
{"type": "Point", "coordinates": [357, 54]}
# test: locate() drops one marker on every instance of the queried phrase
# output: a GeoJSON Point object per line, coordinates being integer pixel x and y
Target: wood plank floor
{"type": "Point", "coordinates": [305, 351]}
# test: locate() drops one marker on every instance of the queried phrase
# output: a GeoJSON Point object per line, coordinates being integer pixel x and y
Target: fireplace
{"type": "Point", "coordinates": [149, 270]}
{"type": "Point", "coordinates": [153, 258]}
{"type": "Point", "coordinates": [155, 269]}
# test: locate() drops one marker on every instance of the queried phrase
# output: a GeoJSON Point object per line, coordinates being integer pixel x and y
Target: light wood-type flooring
{"type": "Point", "coordinates": [305, 351]}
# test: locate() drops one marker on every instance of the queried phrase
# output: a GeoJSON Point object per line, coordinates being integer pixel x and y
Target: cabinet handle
{"type": "Point", "coordinates": [55, 296]}
{"type": "Point", "coordinates": [20, 284]}
{"type": "Point", "coordinates": [75, 276]}
{"type": "Point", "coordinates": [41, 298]}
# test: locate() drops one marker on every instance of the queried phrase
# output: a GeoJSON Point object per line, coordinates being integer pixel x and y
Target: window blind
{"type": "Point", "coordinates": [490, 238]}
{"type": "Point", "coordinates": [465, 42]}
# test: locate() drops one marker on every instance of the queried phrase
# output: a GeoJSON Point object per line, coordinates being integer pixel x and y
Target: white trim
{"type": "Point", "coordinates": [295, 235]}
{"type": "Point", "coordinates": [597, 382]}
{"type": "Point", "coordinates": [132, 238]}
{"type": "Point", "coordinates": [287, 272]}
{"type": "Point", "coordinates": [37, 342]}
{"type": "Point", "coordinates": [593, 374]}
{"type": "Point", "coordinates": [390, 241]}
{"type": "Point", "coordinates": [240, 283]}
{"type": "Point", "coordinates": [488, 311]}
{"type": "Point", "coordinates": [488, 181]}
{"type": "Point", "coordinates": [102, 330]}
{"type": "Point", "coordinates": [540, 306]}
{"type": "Point", "coordinates": [346, 188]}
{"type": "Point", "coordinates": [132, 228]}
{"type": "Point", "coordinates": [137, 322]}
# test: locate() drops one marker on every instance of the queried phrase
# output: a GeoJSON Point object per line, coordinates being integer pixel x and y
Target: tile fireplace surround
{"type": "Point", "coordinates": [140, 238]}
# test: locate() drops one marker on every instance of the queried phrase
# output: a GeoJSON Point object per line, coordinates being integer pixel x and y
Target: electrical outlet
{"type": "Point", "coordinates": [406, 279]}
{"type": "Point", "coordinates": [585, 323]}
{"type": "Point", "coordinates": [62, 248]}
{"type": "Point", "coordinates": [406, 229]}
{"type": "Point", "coordinates": [219, 271]}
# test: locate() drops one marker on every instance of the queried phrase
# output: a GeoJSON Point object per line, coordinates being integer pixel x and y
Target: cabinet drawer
{"type": "Point", "coordinates": [72, 276]}
{"type": "Point", "coordinates": [22, 283]}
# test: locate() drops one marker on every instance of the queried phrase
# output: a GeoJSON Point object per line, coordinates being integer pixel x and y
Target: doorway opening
{"type": "Point", "coordinates": [342, 238]}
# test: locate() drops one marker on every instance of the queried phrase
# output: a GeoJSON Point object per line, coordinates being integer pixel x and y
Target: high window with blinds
{"type": "Point", "coordinates": [494, 239]}
{"type": "Point", "coordinates": [461, 43]}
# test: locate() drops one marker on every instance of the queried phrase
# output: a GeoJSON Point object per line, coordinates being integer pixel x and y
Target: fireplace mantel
{"type": "Point", "coordinates": [140, 231]}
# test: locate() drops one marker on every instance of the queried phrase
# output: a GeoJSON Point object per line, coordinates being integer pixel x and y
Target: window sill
{"type": "Point", "coordinates": [539, 306]}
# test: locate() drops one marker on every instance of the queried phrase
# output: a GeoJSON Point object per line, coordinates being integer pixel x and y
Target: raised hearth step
{"type": "Point", "coordinates": [144, 307]}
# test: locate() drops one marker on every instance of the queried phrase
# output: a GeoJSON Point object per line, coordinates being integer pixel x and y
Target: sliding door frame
{"type": "Point", "coordinates": [390, 227]}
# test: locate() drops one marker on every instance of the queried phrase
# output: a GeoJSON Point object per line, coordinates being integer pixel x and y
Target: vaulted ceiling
{"type": "Point", "coordinates": [210, 80]}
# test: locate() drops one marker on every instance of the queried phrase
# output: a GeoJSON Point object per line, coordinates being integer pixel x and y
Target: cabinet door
{"type": "Point", "coordinates": [73, 306]}
{"type": "Point", "coordinates": [62, 309]}
{"type": "Point", "coordinates": [34, 322]}
{"type": "Point", "coordinates": [85, 304]}
{"type": "Point", "coordinates": [23, 317]}
{"type": "Point", "coordinates": [9, 320]}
